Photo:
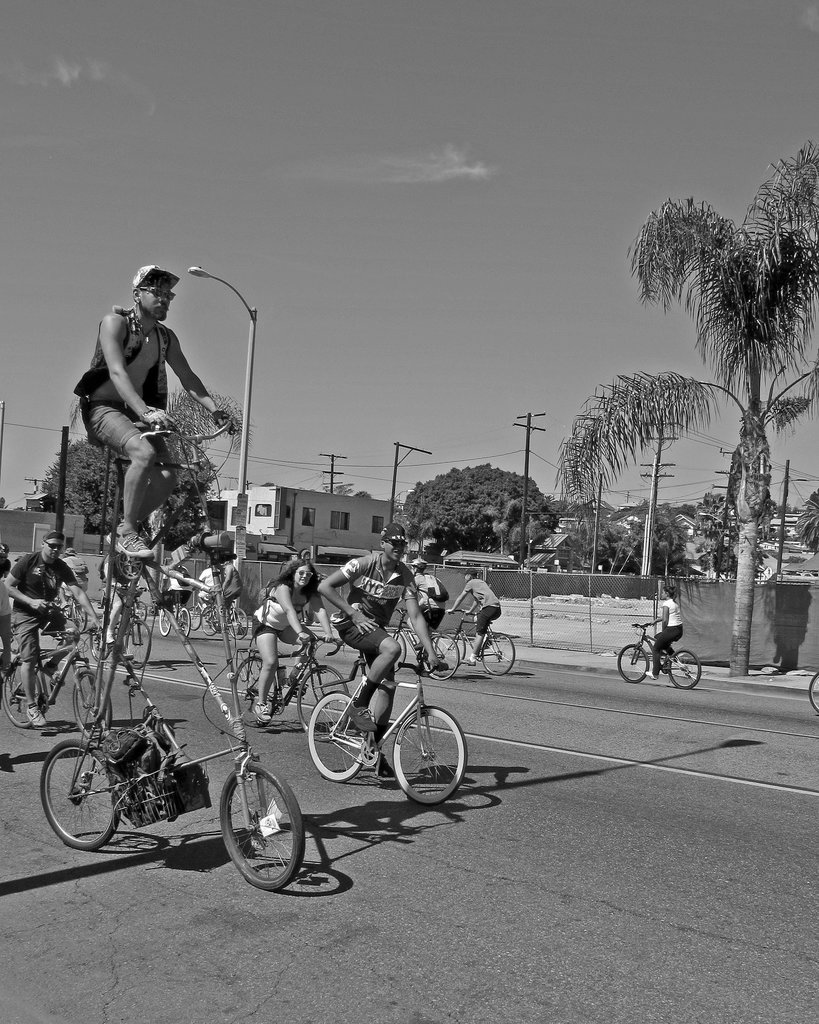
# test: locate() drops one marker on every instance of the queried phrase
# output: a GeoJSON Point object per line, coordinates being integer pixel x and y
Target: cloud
{"type": "Point", "coordinates": [447, 164]}
{"type": "Point", "coordinates": [67, 73]}
{"type": "Point", "coordinates": [810, 17]}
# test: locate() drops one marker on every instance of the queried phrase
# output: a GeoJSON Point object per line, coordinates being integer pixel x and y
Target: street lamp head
{"type": "Point", "coordinates": [198, 272]}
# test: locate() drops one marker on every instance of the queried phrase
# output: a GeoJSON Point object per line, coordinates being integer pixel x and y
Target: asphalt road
{"type": "Point", "coordinates": [616, 853]}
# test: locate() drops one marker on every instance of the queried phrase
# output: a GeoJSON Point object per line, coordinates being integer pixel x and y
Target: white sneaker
{"type": "Point", "coordinates": [263, 712]}
{"type": "Point", "coordinates": [472, 661]}
{"type": "Point", "coordinates": [650, 676]}
{"type": "Point", "coordinates": [35, 717]}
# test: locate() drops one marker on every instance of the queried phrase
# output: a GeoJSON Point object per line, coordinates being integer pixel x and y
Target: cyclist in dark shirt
{"type": "Point", "coordinates": [33, 585]}
{"type": "Point", "coordinates": [377, 583]}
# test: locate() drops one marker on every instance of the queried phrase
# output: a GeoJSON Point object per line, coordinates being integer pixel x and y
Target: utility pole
{"type": "Point", "coordinates": [60, 518]}
{"type": "Point", "coordinates": [333, 473]}
{"type": "Point", "coordinates": [524, 523]}
{"type": "Point", "coordinates": [2, 425]}
{"type": "Point", "coordinates": [409, 447]}
{"type": "Point", "coordinates": [648, 539]}
{"type": "Point", "coordinates": [596, 524]}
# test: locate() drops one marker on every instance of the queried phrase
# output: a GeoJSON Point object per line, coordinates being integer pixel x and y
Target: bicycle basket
{"type": "Point", "coordinates": [149, 799]}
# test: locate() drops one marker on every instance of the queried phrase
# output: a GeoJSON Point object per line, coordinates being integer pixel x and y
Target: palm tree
{"type": "Point", "coordinates": [752, 292]}
{"type": "Point", "coordinates": [807, 525]}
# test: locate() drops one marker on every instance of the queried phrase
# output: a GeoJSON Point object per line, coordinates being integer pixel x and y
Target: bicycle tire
{"type": "Point", "coordinates": [15, 702]}
{"type": "Point", "coordinates": [210, 622]}
{"type": "Point", "coordinates": [684, 669]}
{"type": "Point", "coordinates": [333, 740]}
{"type": "Point", "coordinates": [430, 755]}
{"type": "Point", "coordinates": [498, 654]}
{"type": "Point", "coordinates": [319, 681]}
{"type": "Point", "coordinates": [238, 623]}
{"type": "Point", "coordinates": [77, 796]}
{"type": "Point", "coordinates": [137, 645]}
{"type": "Point", "coordinates": [632, 663]}
{"type": "Point", "coordinates": [183, 620]}
{"type": "Point", "coordinates": [267, 857]}
{"type": "Point", "coordinates": [196, 617]}
{"type": "Point", "coordinates": [140, 611]}
{"type": "Point", "coordinates": [813, 693]}
{"type": "Point", "coordinates": [247, 679]}
{"type": "Point", "coordinates": [447, 649]}
{"type": "Point", "coordinates": [164, 622]}
{"type": "Point", "coordinates": [84, 704]}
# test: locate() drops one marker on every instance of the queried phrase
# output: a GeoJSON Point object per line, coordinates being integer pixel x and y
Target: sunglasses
{"type": "Point", "coordinates": [160, 293]}
{"type": "Point", "coordinates": [54, 547]}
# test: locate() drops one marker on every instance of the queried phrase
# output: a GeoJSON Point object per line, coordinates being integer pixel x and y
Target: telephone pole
{"type": "Point", "coordinates": [333, 473]}
{"type": "Point", "coordinates": [398, 446]}
{"type": "Point", "coordinates": [524, 522]}
{"type": "Point", "coordinates": [648, 539]}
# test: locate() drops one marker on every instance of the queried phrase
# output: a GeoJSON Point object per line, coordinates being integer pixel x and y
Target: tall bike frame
{"type": "Point", "coordinates": [260, 817]}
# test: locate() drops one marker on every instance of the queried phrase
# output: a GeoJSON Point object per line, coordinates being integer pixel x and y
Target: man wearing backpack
{"type": "Point", "coordinates": [126, 384]}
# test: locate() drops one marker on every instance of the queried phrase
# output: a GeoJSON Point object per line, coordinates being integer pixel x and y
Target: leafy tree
{"type": "Point", "coordinates": [752, 290]}
{"type": "Point", "coordinates": [669, 550]}
{"type": "Point", "coordinates": [474, 508]}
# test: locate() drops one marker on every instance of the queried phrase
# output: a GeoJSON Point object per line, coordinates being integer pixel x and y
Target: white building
{"type": "Point", "coordinates": [283, 520]}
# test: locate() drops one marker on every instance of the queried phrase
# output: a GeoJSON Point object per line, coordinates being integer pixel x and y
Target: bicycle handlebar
{"type": "Point", "coordinates": [173, 428]}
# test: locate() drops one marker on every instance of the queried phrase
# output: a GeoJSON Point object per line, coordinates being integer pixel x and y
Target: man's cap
{"type": "Point", "coordinates": [70, 551]}
{"type": "Point", "coordinates": [151, 273]}
{"type": "Point", "coordinates": [54, 535]}
{"type": "Point", "coordinates": [393, 531]}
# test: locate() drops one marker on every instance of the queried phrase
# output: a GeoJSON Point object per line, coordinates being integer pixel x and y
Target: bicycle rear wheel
{"type": "Point", "coordinates": [334, 742]}
{"type": "Point", "coordinates": [164, 622]}
{"type": "Point", "coordinates": [77, 795]}
{"type": "Point", "coordinates": [430, 755]}
{"type": "Point", "coordinates": [238, 623]}
{"type": "Point", "coordinates": [813, 693]}
{"type": "Point", "coordinates": [319, 681]}
{"type": "Point", "coordinates": [632, 663]}
{"type": "Point", "coordinates": [498, 654]}
{"type": "Point", "coordinates": [183, 619]}
{"type": "Point", "coordinates": [267, 846]}
{"type": "Point", "coordinates": [685, 669]}
{"type": "Point", "coordinates": [210, 621]}
{"type": "Point", "coordinates": [85, 706]}
{"type": "Point", "coordinates": [15, 702]}
{"type": "Point", "coordinates": [446, 647]}
{"type": "Point", "coordinates": [79, 616]}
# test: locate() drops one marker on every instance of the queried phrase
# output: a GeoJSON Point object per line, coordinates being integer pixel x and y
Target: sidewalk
{"type": "Point", "coordinates": [586, 661]}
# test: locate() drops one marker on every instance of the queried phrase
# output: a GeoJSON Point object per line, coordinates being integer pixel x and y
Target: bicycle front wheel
{"type": "Point", "coordinates": [210, 621]}
{"type": "Point", "coordinates": [164, 622]}
{"type": "Point", "coordinates": [248, 683]}
{"type": "Point", "coordinates": [813, 693]}
{"type": "Point", "coordinates": [446, 647]}
{"type": "Point", "coordinates": [264, 832]}
{"type": "Point", "coordinates": [15, 702]}
{"type": "Point", "coordinates": [334, 742]}
{"type": "Point", "coordinates": [685, 670]}
{"type": "Point", "coordinates": [430, 755]}
{"type": "Point", "coordinates": [498, 654]}
{"type": "Point", "coordinates": [321, 680]}
{"type": "Point", "coordinates": [79, 616]}
{"type": "Point", "coordinates": [85, 706]}
{"type": "Point", "coordinates": [77, 796]}
{"type": "Point", "coordinates": [632, 663]}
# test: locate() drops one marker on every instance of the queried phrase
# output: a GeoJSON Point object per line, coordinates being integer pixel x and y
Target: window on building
{"type": "Point", "coordinates": [263, 510]}
{"type": "Point", "coordinates": [339, 520]}
{"type": "Point", "coordinates": [378, 524]}
{"type": "Point", "coordinates": [308, 516]}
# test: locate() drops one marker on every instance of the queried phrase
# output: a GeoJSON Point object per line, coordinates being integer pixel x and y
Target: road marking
{"type": "Point", "coordinates": [608, 759]}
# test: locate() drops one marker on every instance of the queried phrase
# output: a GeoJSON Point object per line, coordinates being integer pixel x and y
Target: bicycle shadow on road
{"type": "Point", "coordinates": [194, 852]}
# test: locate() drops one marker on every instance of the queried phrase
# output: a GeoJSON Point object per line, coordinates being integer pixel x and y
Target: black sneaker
{"type": "Point", "coordinates": [361, 718]}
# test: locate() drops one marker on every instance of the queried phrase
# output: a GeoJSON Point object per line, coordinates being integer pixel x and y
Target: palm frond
{"type": "Point", "coordinates": [622, 419]}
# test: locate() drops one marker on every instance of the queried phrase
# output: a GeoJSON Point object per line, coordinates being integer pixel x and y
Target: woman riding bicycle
{"type": "Point", "coordinates": [671, 627]}
{"type": "Point", "coordinates": [289, 598]}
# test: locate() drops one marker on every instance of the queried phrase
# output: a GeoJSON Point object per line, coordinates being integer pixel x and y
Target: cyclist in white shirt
{"type": "Point", "coordinates": [671, 628]}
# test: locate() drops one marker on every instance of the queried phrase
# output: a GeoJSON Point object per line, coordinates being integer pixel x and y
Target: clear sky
{"type": "Point", "coordinates": [430, 202]}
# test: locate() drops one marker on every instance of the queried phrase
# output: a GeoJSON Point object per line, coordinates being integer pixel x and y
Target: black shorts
{"type": "Point", "coordinates": [485, 616]}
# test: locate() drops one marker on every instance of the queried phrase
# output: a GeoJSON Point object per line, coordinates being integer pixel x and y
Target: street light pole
{"type": "Point", "coordinates": [395, 465]}
{"type": "Point", "coordinates": [241, 497]}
